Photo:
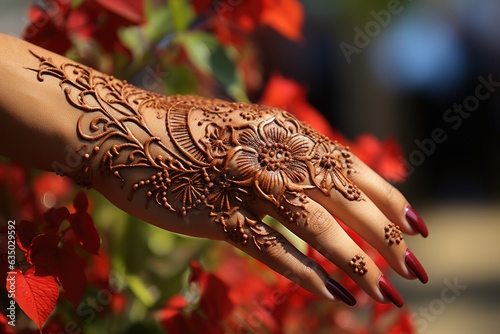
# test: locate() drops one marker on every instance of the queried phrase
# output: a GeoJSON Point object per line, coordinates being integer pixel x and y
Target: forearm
{"type": "Point", "coordinates": [57, 115]}
{"type": "Point", "coordinates": [37, 125]}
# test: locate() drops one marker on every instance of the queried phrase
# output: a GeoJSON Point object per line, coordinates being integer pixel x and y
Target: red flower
{"type": "Point", "coordinates": [83, 226]}
{"type": "Point", "coordinates": [213, 307]}
{"type": "Point", "coordinates": [99, 20]}
{"type": "Point", "coordinates": [171, 316]}
{"type": "Point", "coordinates": [47, 27]}
{"type": "Point", "coordinates": [233, 20]}
{"type": "Point", "coordinates": [54, 22]}
{"type": "Point", "coordinates": [383, 157]}
{"type": "Point", "coordinates": [36, 293]}
{"type": "Point", "coordinates": [4, 326]}
{"type": "Point", "coordinates": [49, 253]}
{"type": "Point", "coordinates": [51, 189]}
{"type": "Point", "coordinates": [292, 97]}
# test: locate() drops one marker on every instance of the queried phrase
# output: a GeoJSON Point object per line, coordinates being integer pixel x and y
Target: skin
{"type": "Point", "coordinates": [34, 106]}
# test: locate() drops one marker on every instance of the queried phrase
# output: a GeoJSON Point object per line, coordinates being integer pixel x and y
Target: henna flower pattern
{"type": "Point", "coordinates": [276, 162]}
{"type": "Point", "coordinates": [217, 141]}
{"type": "Point", "coordinates": [393, 234]}
{"type": "Point", "coordinates": [358, 264]}
{"type": "Point", "coordinates": [225, 197]}
{"type": "Point", "coordinates": [327, 170]}
{"type": "Point", "coordinates": [213, 154]}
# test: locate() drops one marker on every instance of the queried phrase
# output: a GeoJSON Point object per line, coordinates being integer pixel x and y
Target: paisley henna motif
{"type": "Point", "coordinates": [212, 154]}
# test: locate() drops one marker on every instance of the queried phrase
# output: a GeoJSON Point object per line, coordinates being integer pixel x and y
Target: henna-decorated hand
{"type": "Point", "coordinates": [215, 169]}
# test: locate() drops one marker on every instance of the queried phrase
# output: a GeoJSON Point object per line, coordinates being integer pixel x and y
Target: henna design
{"type": "Point", "coordinates": [292, 208]}
{"type": "Point", "coordinates": [393, 234]}
{"type": "Point", "coordinates": [275, 162]}
{"type": "Point", "coordinates": [260, 237]}
{"type": "Point", "coordinates": [358, 263]}
{"type": "Point", "coordinates": [327, 166]}
{"type": "Point", "coordinates": [213, 154]}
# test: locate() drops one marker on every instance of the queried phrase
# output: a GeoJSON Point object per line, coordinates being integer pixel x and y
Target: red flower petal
{"type": "Point", "coordinates": [214, 302]}
{"type": "Point", "coordinates": [383, 157]}
{"type": "Point", "coordinates": [98, 271]}
{"type": "Point", "coordinates": [118, 303]}
{"type": "Point", "coordinates": [403, 324]}
{"type": "Point", "coordinates": [53, 219]}
{"type": "Point", "coordinates": [47, 254]}
{"type": "Point", "coordinates": [289, 95]}
{"type": "Point", "coordinates": [4, 326]}
{"type": "Point", "coordinates": [85, 232]}
{"type": "Point", "coordinates": [46, 28]}
{"type": "Point", "coordinates": [43, 253]}
{"type": "Point", "coordinates": [131, 10]}
{"type": "Point", "coordinates": [71, 274]}
{"type": "Point", "coordinates": [14, 177]}
{"type": "Point", "coordinates": [35, 294]}
{"type": "Point", "coordinates": [171, 317]}
{"type": "Point", "coordinates": [202, 5]}
{"type": "Point", "coordinates": [285, 16]}
{"type": "Point", "coordinates": [25, 232]}
{"type": "Point", "coordinates": [50, 187]}
{"type": "Point", "coordinates": [81, 202]}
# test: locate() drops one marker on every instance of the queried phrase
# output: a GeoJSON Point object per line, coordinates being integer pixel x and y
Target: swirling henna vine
{"type": "Point", "coordinates": [393, 234]}
{"type": "Point", "coordinates": [209, 153]}
{"type": "Point", "coordinates": [358, 264]}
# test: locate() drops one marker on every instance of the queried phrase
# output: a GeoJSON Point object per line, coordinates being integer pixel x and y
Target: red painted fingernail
{"type": "Point", "coordinates": [415, 221]}
{"type": "Point", "coordinates": [339, 292]}
{"type": "Point", "coordinates": [390, 292]}
{"type": "Point", "coordinates": [415, 267]}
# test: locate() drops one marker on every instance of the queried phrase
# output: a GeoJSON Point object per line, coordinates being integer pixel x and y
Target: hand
{"type": "Point", "coordinates": [215, 169]}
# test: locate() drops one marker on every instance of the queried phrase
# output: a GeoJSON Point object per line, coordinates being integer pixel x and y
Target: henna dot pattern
{"type": "Point", "coordinates": [201, 154]}
{"type": "Point", "coordinates": [393, 234]}
{"type": "Point", "coordinates": [358, 264]}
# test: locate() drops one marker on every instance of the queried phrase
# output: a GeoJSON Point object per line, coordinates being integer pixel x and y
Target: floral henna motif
{"type": "Point", "coordinates": [327, 168]}
{"type": "Point", "coordinates": [259, 236]}
{"type": "Point", "coordinates": [393, 234]}
{"type": "Point", "coordinates": [358, 264]}
{"type": "Point", "coordinates": [274, 158]}
{"type": "Point", "coordinates": [213, 154]}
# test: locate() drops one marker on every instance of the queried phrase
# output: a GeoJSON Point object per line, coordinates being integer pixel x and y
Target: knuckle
{"type": "Point", "coordinates": [276, 250]}
{"type": "Point", "coordinates": [308, 273]}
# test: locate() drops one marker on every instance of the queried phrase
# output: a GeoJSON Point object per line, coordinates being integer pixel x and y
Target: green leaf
{"type": "Point", "coordinates": [182, 14]}
{"type": "Point", "coordinates": [140, 290]}
{"type": "Point", "coordinates": [133, 38]}
{"type": "Point", "coordinates": [181, 80]}
{"type": "Point", "coordinates": [208, 56]}
{"type": "Point", "coordinates": [159, 22]}
{"type": "Point", "coordinates": [76, 3]}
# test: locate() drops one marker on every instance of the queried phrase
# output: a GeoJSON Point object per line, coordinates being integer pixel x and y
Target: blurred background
{"type": "Point", "coordinates": [410, 70]}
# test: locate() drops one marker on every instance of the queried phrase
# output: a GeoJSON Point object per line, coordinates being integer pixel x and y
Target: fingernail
{"type": "Point", "coordinates": [415, 267]}
{"type": "Point", "coordinates": [390, 292]}
{"type": "Point", "coordinates": [339, 292]}
{"type": "Point", "coordinates": [415, 221]}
